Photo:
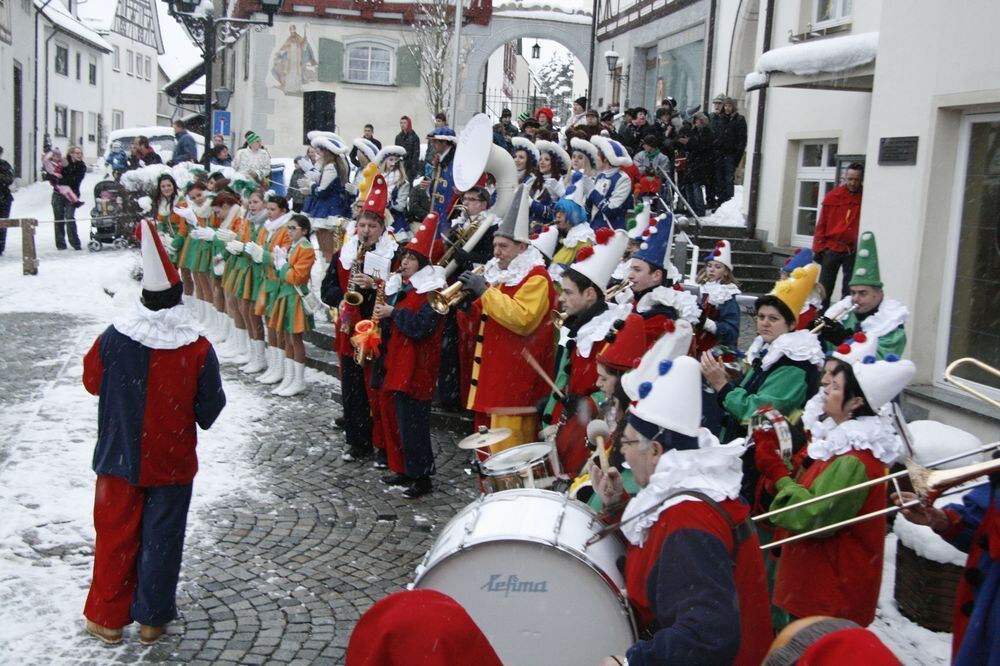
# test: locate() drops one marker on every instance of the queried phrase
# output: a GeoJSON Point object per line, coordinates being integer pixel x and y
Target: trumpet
{"type": "Point", "coordinates": [558, 318]}
{"type": "Point", "coordinates": [840, 316]}
{"type": "Point", "coordinates": [444, 300]}
{"type": "Point", "coordinates": [617, 289]}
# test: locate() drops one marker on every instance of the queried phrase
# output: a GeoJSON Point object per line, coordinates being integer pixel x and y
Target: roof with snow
{"type": "Point", "coordinates": [179, 53]}
{"type": "Point", "coordinates": [101, 14]}
{"type": "Point", "coordinates": [819, 58]}
{"type": "Point", "coordinates": [66, 23]}
{"type": "Point", "coordinates": [568, 11]}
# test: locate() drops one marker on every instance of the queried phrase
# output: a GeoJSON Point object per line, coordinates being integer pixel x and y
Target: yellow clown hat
{"type": "Point", "coordinates": [794, 291]}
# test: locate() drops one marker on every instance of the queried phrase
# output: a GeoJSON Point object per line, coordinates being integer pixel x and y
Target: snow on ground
{"type": "Point", "coordinates": [46, 483]}
{"type": "Point", "coordinates": [729, 214]}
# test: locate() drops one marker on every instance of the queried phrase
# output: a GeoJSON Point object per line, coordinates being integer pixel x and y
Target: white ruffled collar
{"type": "Point", "coordinates": [682, 301]}
{"type": "Point", "coordinates": [580, 233]}
{"type": "Point", "coordinates": [797, 346]}
{"type": "Point", "coordinates": [865, 433]}
{"type": "Point", "coordinates": [621, 270]}
{"type": "Point", "coordinates": [385, 246]}
{"type": "Point", "coordinates": [813, 300]}
{"type": "Point", "coordinates": [516, 271]}
{"type": "Point", "coordinates": [719, 293]}
{"type": "Point", "coordinates": [428, 278]}
{"type": "Point", "coordinates": [891, 314]}
{"type": "Point", "coordinates": [713, 469]}
{"type": "Point", "coordinates": [277, 223]}
{"type": "Point", "coordinates": [597, 328]}
{"type": "Point", "coordinates": [171, 328]}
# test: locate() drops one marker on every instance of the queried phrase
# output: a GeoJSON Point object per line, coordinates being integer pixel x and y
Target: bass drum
{"type": "Point", "coordinates": [518, 562]}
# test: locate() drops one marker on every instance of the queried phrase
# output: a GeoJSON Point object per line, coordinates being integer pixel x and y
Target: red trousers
{"type": "Point", "coordinates": [389, 426]}
{"type": "Point", "coordinates": [137, 558]}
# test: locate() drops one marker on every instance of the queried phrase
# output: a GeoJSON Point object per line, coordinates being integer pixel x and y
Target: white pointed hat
{"type": "Point", "coordinates": [673, 343]}
{"type": "Point", "coordinates": [546, 240]}
{"type": "Point", "coordinates": [881, 381]}
{"type": "Point", "coordinates": [158, 272]}
{"type": "Point", "coordinates": [515, 224]}
{"type": "Point", "coordinates": [672, 400]}
{"type": "Point", "coordinates": [641, 219]}
{"type": "Point", "coordinates": [722, 253]}
{"type": "Point", "coordinates": [856, 348]}
{"type": "Point", "coordinates": [598, 262]}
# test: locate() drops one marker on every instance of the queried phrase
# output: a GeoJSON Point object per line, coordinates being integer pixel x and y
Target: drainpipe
{"type": "Point", "coordinates": [759, 131]}
{"type": "Point", "coordinates": [34, 135]}
{"type": "Point", "coordinates": [593, 47]}
{"type": "Point", "coordinates": [709, 55]}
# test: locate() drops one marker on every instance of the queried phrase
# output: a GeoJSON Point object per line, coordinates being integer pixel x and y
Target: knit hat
{"type": "Point", "coordinates": [598, 262]}
{"type": "Point", "coordinates": [582, 101]}
{"type": "Point", "coordinates": [826, 641]}
{"type": "Point", "coordinates": [423, 240]}
{"type": "Point", "coordinates": [626, 343]}
{"type": "Point", "coordinates": [378, 197]}
{"type": "Point", "coordinates": [521, 117]}
{"type": "Point", "coordinates": [158, 272]}
{"type": "Point", "coordinates": [671, 401]}
{"type": "Point", "coordinates": [545, 111]}
{"type": "Point", "coordinates": [721, 97]}
{"type": "Point", "coordinates": [585, 147]}
{"type": "Point", "coordinates": [866, 273]}
{"type": "Point", "coordinates": [722, 253]}
{"type": "Point", "coordinates": [505, 113]}
{"type": "Point", "coordinates": [556, 152]}
{"type": "Point", "coordinates": [881, 381]}
{"type": "Point", "coordinates": [656, 242]}
{"type": "Point", "coordinates": [252, 136]}
{"type": "Point", "coordinates": [613, 151]}
{"type": "Point", "coordinates": [515, 224]}
{"type": "Point", "coordinates": [367, 147]}
{"type": "Point", "coordinates": [802, 256]}
{"type": "Point", "coordinates": [522, 143]}
{"type": "Point", "coordinates": [794, 291]}
{"type": "Point", "coordinates": [546, 240]}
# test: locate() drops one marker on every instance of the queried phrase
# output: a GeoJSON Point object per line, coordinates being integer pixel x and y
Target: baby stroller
{"type": "Point", "coordinates": [113, 217]}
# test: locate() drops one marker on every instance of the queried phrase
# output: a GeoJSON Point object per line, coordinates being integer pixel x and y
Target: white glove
{"type": "Point", "coordinates": [314, 175]}
{"type": "Point", "coordinates": [145, 204]}
{"type": "Point", "coordinates": [187, 214]}
{"type": "Point", "coordinates": [280, 256]}
{"type": "Point", "coordinates": [554, 187]}
{"type": "Point", "coordinates": [165, 239]}
{"type": "Point", "coordinates": [218, 265]}
{"type": "Point", "coordinates": [234, 247]}
{"type": "Point", "coordinates": [255, 251]}
{"type": "Point", "coordinates": [204, 233]}
{"type": "Point", "coordinates": [710, 326]}
{"type": "Point", "coordinates": [304, 164]}
{"type": "Point", "coordinates": [303, 183]}
{"type": "Point", "coordinates": [624, 296]}
{"type": "Point", "coordinates": [225, 235]}
{"type": "Point", "coordinates": [351, 188]}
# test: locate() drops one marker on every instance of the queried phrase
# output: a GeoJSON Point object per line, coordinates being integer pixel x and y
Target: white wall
{"type": "Point", "coordinates": [134, 95]}
{"type": "Point", "coordinates": [21, 51]}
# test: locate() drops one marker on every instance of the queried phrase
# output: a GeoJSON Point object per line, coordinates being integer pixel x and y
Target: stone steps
{"type": "Point", "coordinates": [755, 267]}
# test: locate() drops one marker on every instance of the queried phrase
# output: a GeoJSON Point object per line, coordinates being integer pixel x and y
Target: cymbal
{"type": "Point", "coordinates": [484, 438]}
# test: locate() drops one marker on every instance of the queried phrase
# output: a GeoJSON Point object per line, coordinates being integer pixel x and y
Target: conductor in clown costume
{"type": "Point", "coordinates": [157, 378]}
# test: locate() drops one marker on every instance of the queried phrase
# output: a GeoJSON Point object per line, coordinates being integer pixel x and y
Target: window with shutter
{"type": "Point", "coordinates": [331, 60]}
{"type": "Point", "coordinates": [408, 66]}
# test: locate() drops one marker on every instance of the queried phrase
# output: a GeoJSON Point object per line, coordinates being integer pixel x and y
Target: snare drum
{"type": "Point", "coordinates": [525, 466]}
{"type": "Point", "coordinates": [518, 563]}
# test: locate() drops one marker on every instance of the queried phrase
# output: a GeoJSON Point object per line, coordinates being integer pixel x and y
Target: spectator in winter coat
{"type": "Point", "coordinates": [730, 132]}
{"type": "Point", "coordinates": [185, 149]}
{"type": "Point", "coordinates": [65, 203]}
{"type": "Point", "coordinates": [253, 161]}
{"type": "Point", "coordinates": [650, 161]}
{"type": "Point", "coordinates": [836, 237]}
{"type": "Point", "coordinates": [410, 141]}
{"type": "Point", "coordinates": [698, 170]}
{"type": "Point", "coordinates": [218, 156]}
{"type": "Point", "coordinates": [142, 154]}
{"type": "Point", "coordinates": [635, 131]}
{"type": "Point", "coordinates": [369, 134]}
{"type": "Point", "coordinates": [608, 126]}
{"type": "Point", "coordinates": [509, 129]}
{"type": "Point", "coordinates": [6, 198]}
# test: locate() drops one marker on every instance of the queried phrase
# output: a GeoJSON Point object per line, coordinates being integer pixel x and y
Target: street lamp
{"type": "Point", "coordinates": [612, 59]}
{"type": "Point", "coordinates": [207, 30]}
{"type": "Point", "coordinates": [536, 51]}
{"type": "Point", "coordinates": [222, 97]}
{"type": "Point", "coordinates": [617, 78]}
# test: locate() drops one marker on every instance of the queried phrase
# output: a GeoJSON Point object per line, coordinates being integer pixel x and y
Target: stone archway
{"type": "Point", "coordinates": [573, 34]}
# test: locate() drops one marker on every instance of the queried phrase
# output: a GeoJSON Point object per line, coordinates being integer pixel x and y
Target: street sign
{"type": "Point", "coordinates": [222, 122]}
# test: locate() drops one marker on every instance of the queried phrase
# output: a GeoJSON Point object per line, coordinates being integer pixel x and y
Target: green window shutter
{"type": "Point", "coordinates": [331, 60]}
{"type": "Point", "coordinates": [408, 66]}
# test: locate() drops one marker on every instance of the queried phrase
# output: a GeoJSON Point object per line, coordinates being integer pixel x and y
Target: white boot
{"type": "Point", "coordinates": [276, 369]}
{"type": "Point", "coordinates": [298, 384]}
{"type": "Point", "coordinates": [286, 381]}
{"type": "Point", "coordinates": [239, 343]}
{"type": "Point", "coordinates": [258, 357]}
{"type": "Point", "coordinates": [269, 359]}
{"type": "Point", "coordinates": [225, 326]}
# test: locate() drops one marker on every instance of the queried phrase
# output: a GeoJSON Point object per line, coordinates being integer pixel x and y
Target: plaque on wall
{"type": "Point", "coordinates": [897, 150]}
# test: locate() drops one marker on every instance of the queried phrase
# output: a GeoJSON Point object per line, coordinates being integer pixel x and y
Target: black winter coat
{"type": "Point", "coordinates": [410, 142]}
{"type": "Point", "coordinates": [730, 133]}
{"type": "Point", "coordinates": [700, 164]}
{"type": "Point", "coordinates": [72, 176]}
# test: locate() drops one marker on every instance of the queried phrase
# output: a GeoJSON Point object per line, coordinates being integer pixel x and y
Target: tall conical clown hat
{"type": "Point", "coordinates": [866, 273]}
{"type": "Point", "coordinates": [639, 222]}
{"type": "Point", "coordinates": [670, 401]}
{"type": "Point", "coordinates": [546, 240]}
{"type": "Point", "coordinates": [674, 342]}
{"type": "Point", "coordinates": [598, 262]}
{"type": "Point", "coordinates": [803, 256]}
{"type": "Point", "coordinates": [378, 197]}
{"type": "Point", "coordinates": [656, 242]}
{"type": "Point", "coordinates": [158, 273]}
{"type": "Point", "coordinates": [794, 291]}
{"type": "Point", "coordinates": [515, 224]}
{"type": "Point", "coordinates": [858, 347]}
{"type": "Point", "coordinates": [626, 343]}
{"type": "Point", "coordinates": [722, 253]}
{"type": "Point", "coordinates": [881, 381]}
{"type": "Point", "coordinates": [423, 240]}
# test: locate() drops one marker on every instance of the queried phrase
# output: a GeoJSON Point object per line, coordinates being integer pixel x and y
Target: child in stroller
{"type": "Point", "coordinates": [113, 218]}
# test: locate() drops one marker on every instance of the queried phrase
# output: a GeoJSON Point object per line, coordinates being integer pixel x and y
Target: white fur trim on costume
{"type": "Point", "coordinates": [713, 469]}
{"type": "Point", "coordinates": [277, 223]}
{"type": "Point", "coordinates": [797, 346]}
{"type": "Point", "coordinates": [171, 328]}
{"type": "Point", "coordinates": [516, 271]}
{"type": "Point", "coordinates": [718, 293]}
{"type": "Point", "coordinates": [891, 315]}
{"type": "Point", "coordinates": [684, 302]}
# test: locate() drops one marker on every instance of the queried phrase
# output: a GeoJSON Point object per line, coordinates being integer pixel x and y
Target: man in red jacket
{"type": "Point", "coordinates": [157, 378]}
{"type": "Point", "coordinates": [836, 237]}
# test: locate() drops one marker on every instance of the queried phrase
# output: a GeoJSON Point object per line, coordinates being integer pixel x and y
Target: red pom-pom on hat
{"type": "Point", "coordinates": [653, 222]}
{"type": "Point", "coordinates": [860, 337]}
{"type": "Point", "coordinates": [545, 229]}
{"type": "Point", "coordinates": [720, 244]}
{"type": "Point", "coordinates": [678, 287]}
{"type": "Point", "coordinates": [603, 235]}
{"type": "Point", "coordinates": [533, 236]}
{"type": "Point", "coordinates": [716, 253]}
{"type": "Point", "coordinates": [797, 250]}
{"type": "Point", "coordinates": [844, 349]}
{"type": "Point", "coordinates": [585, 253]}
{"type": "Point", "coordinates": [669, 326]}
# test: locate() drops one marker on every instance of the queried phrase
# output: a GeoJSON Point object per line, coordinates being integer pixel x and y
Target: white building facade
{"type": "Point", "coordinates": [17, 84]}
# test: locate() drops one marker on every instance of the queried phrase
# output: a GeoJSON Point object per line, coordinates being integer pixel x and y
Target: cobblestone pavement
{"type": "Point", "coordinates": [281, 578]}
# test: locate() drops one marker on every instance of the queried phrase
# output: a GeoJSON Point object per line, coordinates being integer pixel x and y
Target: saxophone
{"type": "Point", "coordinates": [367, 333]}
{"type": "Point", "coordinates": [352, 298]}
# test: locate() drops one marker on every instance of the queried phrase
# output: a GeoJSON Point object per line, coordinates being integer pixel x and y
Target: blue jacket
{"type": "Point", "coordinates": [331, 202]}
{"type": "Point", "coordinates": [603, 211]}
{"type": "Point", "coordinates": [185, 149]}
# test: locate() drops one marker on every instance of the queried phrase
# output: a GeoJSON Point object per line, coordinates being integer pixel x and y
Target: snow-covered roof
{"type": "Point", "coordinates": [567, 11]}
{"type": "Point", "coordinates": [836, 54]}
{"type": "Point", "coordinates": [179, 54]}
{"type": "Point", "coordinates": [100, 15]}
{"type": "Point", "coordinates": [65, 22]}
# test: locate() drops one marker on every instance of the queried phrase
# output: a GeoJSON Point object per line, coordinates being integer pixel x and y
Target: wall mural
{"type": "Point", "coordinates": [294, 63]}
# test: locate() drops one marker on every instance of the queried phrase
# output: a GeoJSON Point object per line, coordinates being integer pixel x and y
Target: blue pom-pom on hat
{"type": "Point", "coordinates": [665, 366]}
{"type": "Point", "coordinates": [868, 359]}
{"type": "Point", "coordinates": [644, 389]}
{"type": "Point", "coordinates": [892, 358]}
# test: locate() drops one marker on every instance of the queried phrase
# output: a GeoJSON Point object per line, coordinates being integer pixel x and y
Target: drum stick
{"type": "Point", "coordinates": [541, 373]}
{"type": "Point", "coordinates": [598, 433]}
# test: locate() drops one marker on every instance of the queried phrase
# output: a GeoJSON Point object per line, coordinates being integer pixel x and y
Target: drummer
{"type": "Point", "coordinates": [694, 573]}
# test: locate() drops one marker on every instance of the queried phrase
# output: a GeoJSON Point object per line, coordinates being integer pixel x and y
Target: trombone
{"type": "Point", "coordinates": [950, 378]}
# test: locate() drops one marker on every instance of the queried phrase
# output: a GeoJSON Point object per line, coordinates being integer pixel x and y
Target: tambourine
{"type": "Point", "coordinates": [768, 418]}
